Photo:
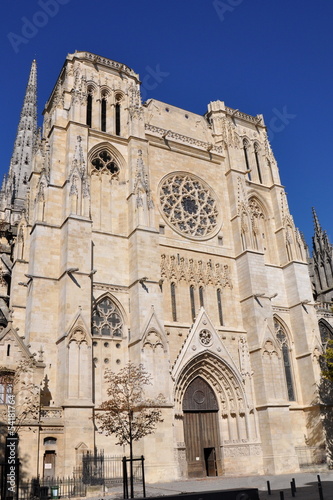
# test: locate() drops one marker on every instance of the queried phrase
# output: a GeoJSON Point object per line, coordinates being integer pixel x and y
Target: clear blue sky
{"type": "Point", "coordinates": [259, 56]}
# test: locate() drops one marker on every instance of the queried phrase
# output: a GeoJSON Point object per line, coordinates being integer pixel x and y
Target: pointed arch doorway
{"type": "Point", "coordinates": [201, 430]}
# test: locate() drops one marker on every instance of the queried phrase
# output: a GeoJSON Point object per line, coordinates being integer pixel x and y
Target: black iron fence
{"type": "Point", "coordinates": [101, 469]}
{"type": "Point", "coordinates": [55, 487]}
{"type": "Point", "coordinates": [96, 469]}
{"type": "Point", "coordinates": [105, 469]}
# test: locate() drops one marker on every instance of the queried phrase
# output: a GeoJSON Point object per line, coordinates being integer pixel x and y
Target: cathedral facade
{"type": "Point", "coordinates": [144, 232]}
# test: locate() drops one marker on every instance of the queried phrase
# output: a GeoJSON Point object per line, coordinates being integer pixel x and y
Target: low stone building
{"type": "Point", "coordinates": [144, 232]}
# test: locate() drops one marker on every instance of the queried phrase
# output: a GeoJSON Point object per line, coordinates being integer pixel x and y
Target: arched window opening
{"type": "Point", "coordinates": [103, 115]}
{"type": "Point", "coordinates": [6, 386]}
{"type": "Point", "coordinates": [247, 164]}
{"type": "Point", "coordinates": [283, 342]}
{"type": "Point", "coordinates": [192, 300]}
{"type": "Point", "coordinates": [89, 109]}
{"type": "Point", "coordinates": [103, 161]}
{"type": "Point", "coordinates": [256, 154]}
{"type": "Point", "coordinates": [8, 350]}
{"type": "Point", "coordinates": [173, 301]}
{"type": "Point", "coordinates": [219, 305]}
{"type": "Point", "coordinates": [106, 319]}
{"type": "Point", "coordinates": [117, 118]}
{"type": "Point", "coordinates": [201, 296]}
{"type": "Point", "coordinates": [50, 441]}
{"type": "Point", "coordinates": [326, 333]}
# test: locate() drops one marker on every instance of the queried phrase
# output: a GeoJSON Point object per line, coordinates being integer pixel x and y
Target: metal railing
{"type": "Point", "coordinates": [54, 487]}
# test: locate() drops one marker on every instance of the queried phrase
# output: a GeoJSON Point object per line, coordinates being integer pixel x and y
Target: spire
{"type": "Point", "coordinates": [316, 222]}
{"type": "Point", "coordinates": [20, 165]}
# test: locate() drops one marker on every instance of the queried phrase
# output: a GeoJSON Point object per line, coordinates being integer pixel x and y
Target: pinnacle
{"type": "Point", "coordinates": [316, 221]}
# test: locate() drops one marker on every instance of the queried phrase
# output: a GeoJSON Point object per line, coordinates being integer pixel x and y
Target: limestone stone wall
{"type": "Point", "coordinates": [165, 239]}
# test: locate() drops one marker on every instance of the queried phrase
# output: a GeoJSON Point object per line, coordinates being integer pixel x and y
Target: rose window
{"type": "Point", "coordinates": [107, 319]}
{"type": "Point", "coordinates": [189, 205]}
{"type": "Point", "coordinates": [103, 162]}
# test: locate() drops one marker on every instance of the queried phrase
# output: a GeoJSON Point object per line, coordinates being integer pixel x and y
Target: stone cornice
{"type": "Point", "coordinates": [169, 134]}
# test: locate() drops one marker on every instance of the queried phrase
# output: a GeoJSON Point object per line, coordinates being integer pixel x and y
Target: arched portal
{"type": "Point", "coordinates": [201, 429]}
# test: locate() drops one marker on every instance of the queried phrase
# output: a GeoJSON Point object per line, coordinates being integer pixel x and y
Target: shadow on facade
{"type": "Point", "coordinates": [326, 416]}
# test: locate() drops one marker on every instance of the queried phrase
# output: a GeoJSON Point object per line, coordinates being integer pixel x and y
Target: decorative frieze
{"type": "Point", "coordinates": [51, 413]}
{"type": "Point", "coordinates": [195, 271]}
{"type": "Point", "coordinates": [243, 116]}
{"type": "Point", "coordinates": [110, 288]}
{"type": "Point", "coordinates": [242, 450]}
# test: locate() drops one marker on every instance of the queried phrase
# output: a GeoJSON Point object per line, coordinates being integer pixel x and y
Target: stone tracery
{"type": "Point", "coordinates": [107, 319]}
{"type": "Point", "coordinates": [103, 162]}
{"type": "Point", "coordinates": [189, 205]}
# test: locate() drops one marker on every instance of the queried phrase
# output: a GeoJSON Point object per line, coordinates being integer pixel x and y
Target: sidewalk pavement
{"type": "Point", "coordinates": [306, 486]}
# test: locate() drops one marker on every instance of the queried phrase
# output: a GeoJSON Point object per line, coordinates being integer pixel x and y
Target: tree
{"type": "Point", "coordinates": [128, 413]}
{"type": "Point", "coordinates": [327, 358]}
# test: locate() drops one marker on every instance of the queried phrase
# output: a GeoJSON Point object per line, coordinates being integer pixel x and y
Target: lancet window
{"type": "Point", "coordinates": [201, 296]}
{"type": "Point", "coordinates": [89, 108]}
{"type": "Point", "coordinates": [103, 114]}
{"type": "Point", "coordinates": [192, 300]}
{"type": "Point", "coordinates": [256, 154]}
{"type": "Point", "coordinates": [219, 305]}
{"type": "Point", "coordinates": [173, 301]}
{"type": "Point", "coordinates": [283, 342]}
{"type": "Point", "coordinates": [246, 156]}
{"type": "Point", "coordinates": [107, 319]}
{"type": "Point", "coordinates": [117, 118]}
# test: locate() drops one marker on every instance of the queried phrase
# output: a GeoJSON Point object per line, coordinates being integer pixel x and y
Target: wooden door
{"type": "Point", "coordinates": [210, 461]}
{"type": "Point", "coordinates": [201, 429]}
{"type": "Point", "coordinates": [49, 464]}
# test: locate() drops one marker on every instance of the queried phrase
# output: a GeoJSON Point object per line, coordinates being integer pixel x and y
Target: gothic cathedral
{"type": "Point", "coordinates": [144, 232]}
